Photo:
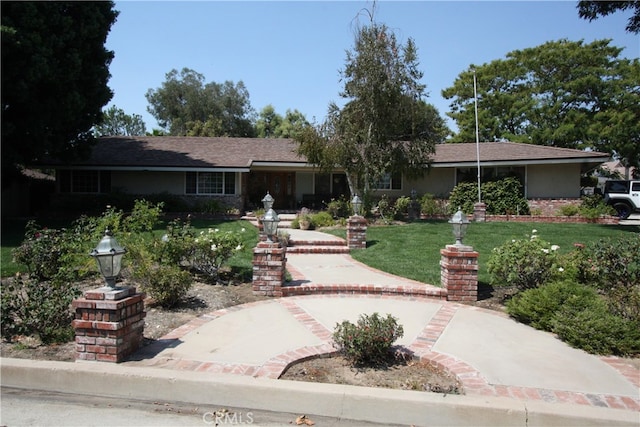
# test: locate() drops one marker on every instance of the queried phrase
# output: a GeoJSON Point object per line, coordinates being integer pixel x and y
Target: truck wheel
{"type": "Point", "coordinates": [623, 209]}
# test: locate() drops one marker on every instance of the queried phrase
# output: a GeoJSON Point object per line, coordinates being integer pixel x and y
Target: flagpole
{"type": "Point", "coordinates": [475, 97]}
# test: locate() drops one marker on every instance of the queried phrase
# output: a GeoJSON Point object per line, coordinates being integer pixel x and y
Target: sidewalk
{"type": "Point", "coordinates": [507, 369]}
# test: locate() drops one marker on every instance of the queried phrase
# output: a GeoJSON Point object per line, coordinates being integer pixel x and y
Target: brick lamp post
{"type": "Point", "coordinates": [109, 321]}
{"type": "Point", "coordinates": [357, 226]}
{"type": "Point", "coordinates": [269, 256]}
{"type": "Point", "coordinates": [459, 264]}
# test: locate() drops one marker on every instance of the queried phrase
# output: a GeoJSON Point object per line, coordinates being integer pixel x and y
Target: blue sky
{"type": "Point", "coordinates": [289, 53]}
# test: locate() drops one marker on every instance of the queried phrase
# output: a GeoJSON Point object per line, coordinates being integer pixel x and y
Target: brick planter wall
{"type": "Point", "coordinates": [357, 232]}
{"type": "Point", "coordinates": [269, 266]}
{"type": "Point", "coordinates": [459, 272]}
{"type": "Point", "coordinates": [108, 324]}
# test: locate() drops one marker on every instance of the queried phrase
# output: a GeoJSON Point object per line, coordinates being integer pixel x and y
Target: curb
{"type": "Point", "coordinates": [342, 401]}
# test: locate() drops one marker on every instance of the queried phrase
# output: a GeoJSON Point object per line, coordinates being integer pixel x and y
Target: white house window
{"type": "Point", "coordinates": [390, 182]}
{"type": "Point", "coordinates": [84, 181]}
{"type": "Point", "coordinates": [210, 183]}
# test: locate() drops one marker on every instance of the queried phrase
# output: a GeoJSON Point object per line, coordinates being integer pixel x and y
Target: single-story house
{"type": "Point", "coordinates": [239, 171]}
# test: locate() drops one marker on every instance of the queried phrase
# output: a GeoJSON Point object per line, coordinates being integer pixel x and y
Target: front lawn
{"type": "Point", "coordinates": [413, 250]}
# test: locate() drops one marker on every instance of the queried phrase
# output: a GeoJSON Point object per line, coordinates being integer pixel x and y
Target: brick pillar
{"type": "Point", "coordinates": [480, 212]}
{"type": "Point", "coordinates": [109, 324]}
{"type": "Point", "coordinates": [459, 272]}
{"type": "Point", "coordinates": [269, 265]}
{"type": "Point", "coordinates": [357, 232]}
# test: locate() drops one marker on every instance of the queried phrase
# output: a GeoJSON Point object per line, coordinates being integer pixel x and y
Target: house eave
{"type": "Point", "coordinates": [526, 162]}
{"type": "Point", "coordinates": [156, 168]}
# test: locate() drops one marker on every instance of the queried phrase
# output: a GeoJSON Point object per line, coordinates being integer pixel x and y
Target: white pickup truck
{"type": "Point", "coordinates": [624, 196]}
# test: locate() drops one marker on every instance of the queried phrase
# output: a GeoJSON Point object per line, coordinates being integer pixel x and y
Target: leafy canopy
{"type": "Point", "coordinates": [54, 77]}
{"type": "Point", "coordinates": [272, 125]}
{"type": "Point", "coordinates": [185, 106]}
{"type": "Point", "coordinates": [561, 93]}
{"type": "Point", "coordinates": [593, 9]}
{"type": "Point", "coordinates": [385, 125]}
{"type": "Point", "coordinates": [118, 123]}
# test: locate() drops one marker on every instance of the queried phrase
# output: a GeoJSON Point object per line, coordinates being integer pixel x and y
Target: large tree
{"type": "Point", "coordinates": [54, 77]}
{"type": "Point", "coordinates": [270, 124]}
{"type": "Point", "coordinates": [116, 122]}
{"type": "Point", "coordinates": [186, 105]}
{"type": "Point", "coordinates": [385, 125]}
{"type": "Point", "coordinates": [562, 93]}
{"type": "Point", "coordinates": [594, 9]}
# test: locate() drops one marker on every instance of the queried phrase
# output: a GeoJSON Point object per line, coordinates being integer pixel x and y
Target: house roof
{"type": "Point", "coordinates": [179, 153]}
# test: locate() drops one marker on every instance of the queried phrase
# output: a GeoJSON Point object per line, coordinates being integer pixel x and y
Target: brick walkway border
{"type": "Point", "coordinates": [472, 381]}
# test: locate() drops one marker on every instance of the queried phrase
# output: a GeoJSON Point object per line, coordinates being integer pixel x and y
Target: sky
{"type": "Point", "coordinates": [289, 53]}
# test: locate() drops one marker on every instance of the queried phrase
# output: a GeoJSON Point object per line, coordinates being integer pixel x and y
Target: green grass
{"type": "Point", "coordinates": [413, 250]}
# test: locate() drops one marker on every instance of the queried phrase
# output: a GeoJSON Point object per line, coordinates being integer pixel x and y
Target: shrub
{"type": "Point", "coordinates": [593, 207]}
{"type": "Point", "coordinates": [613, 267]}
{"type": "Point", "coordinates": [340, 208]}
{"type": "Point", "coordinates": [505, 196]}
{"type": "Point", "coordinates": [386, 209]}
{"type": "Point", "coordinates": [523, 263]}
{"type": "Point", "coordinates": [51, 254]}
{"type": "Point", "coordinates": [538, 307]}
{"type": "Point", "coordinates": [463, 196]}
{"type": "Point", "coordinates": [322, 219]}
{"type": "Point", "coordinates": [401, 207]}
{"type": "Point", "coordinates": [579, 316]}
{"type": "Point", "coordinates": [369, 341]}
{"type": "Point", "coordinates": [42, 308]}
{"type": "Point", "coordinates": [568, 210]}
{"type": "Point", "coordinates": [591, 326]}
{"type": "Point", "coordinates": [166, 284]}
{"type": "Point", "coordinates": [212, 249]}
{"type": "Point", "coordinates": [431, 206]}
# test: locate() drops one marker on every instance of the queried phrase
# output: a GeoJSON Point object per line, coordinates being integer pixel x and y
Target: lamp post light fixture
{"type": "Point", "coordinates": [459, 222]}
{"type": "Point", "coordinates": [267, 201]}
{"type": "Point", "coordinates": [270, 219]}
{"type": "Point", "coordinates": [108, 254]}
{"type": "Point", "coordinates": [357, 205]}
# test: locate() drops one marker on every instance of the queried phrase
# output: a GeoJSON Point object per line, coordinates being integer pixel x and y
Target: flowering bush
{"type": "Point", "coordinates": [523, 263]}
{"type": "Point", "coordinates": [212, 249]}
{"type": "Point", "coordinates": [613, 267]}
{"type": "Point", "coordinates": [370, 340]}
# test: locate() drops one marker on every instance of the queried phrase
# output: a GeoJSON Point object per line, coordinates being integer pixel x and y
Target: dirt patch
{"type": "Point", "coordinates": [400, 374]}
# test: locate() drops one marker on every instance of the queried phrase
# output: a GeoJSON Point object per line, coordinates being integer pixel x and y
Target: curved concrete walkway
{"type": "Point", "coordinates": [491, 354]}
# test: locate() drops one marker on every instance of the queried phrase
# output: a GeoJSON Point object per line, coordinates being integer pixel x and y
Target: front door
{"type": "Point", "coordinates": [281, 186]}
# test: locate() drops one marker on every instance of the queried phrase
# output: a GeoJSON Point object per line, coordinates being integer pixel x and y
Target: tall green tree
{"type": "Point", "coordinates": [562, 94]}
{"type": "Point", "coordinates": [268, 122]}
{"type": "Point", "coordinates": [116, 122]}
{"type": "Point", "coordinates": [272, 125]}
{"type": "Point", "coordinates": [55, 70]}
{"type": "Point", "coordinates": [594, 9]}
{"type": "Point", "coordinates": [385, 125]}
{"type": "Point", "coordinates": [186, 105]}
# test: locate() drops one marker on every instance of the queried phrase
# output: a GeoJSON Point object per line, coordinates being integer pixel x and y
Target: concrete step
{"type": "Point", "coordinates": [314, 249]}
